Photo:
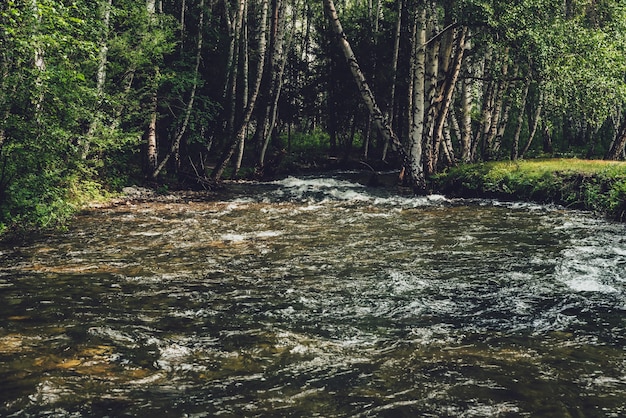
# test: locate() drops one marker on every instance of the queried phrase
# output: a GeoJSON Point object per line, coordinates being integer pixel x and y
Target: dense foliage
{"type": "Point", "coordinates": [95, 94]}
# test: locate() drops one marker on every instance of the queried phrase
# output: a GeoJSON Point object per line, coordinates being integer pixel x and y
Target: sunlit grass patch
{"type": "Point", "coordinates": [595, 185]}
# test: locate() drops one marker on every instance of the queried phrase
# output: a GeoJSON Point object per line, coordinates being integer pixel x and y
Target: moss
{"type": "Point", "coordinates": [598, 186]}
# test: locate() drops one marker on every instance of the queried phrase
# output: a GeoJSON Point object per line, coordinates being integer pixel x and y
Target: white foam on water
{"type": "Point", "coordinates": [583, 269]}
{"type": "Point", "coordinates": [268, 234]}
{"type": "Point", "coordinates": [437, 334]}
{"type": "Point", "coordinates": [48, 393]}
{"type": "Point", "coordinates": [231, 237]}
{"type": "Point", "coordinates": [173, 356]}
{"type": "Point", "coordinates": [114, 335]}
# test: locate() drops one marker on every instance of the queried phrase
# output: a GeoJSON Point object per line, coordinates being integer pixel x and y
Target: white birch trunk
{"type": "Point", "coordinates": [245, 87]}
{"type": "Point", "coordinates": [152, 145]}
{"type": "Point", "coordinates": [152, 137]}
{"type": "Point", "coordinates": [466, 113]}
{"type": "Point", "coordinates": [431, 92]}
{"type": "Point", "coordinates": [416, 133]}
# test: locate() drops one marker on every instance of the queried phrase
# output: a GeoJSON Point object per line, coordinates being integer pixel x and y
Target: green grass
{"type": "Point", "coordinates": [595, 185]}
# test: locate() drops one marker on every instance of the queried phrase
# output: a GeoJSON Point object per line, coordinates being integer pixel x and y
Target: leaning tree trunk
{"type": "Point", "coordinates": [416, 179]}
{"type": "Point", "coordinates": [453, 72]}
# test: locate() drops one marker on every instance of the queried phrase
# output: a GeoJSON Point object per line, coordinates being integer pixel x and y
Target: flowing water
{"type": "Point", "coordinates": [316, 297]}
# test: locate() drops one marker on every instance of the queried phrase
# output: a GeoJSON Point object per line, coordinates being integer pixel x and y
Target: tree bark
{"type": "Point", "coordinates": [152, 152]}
{"type": "Point", "coordinates": [432, 86]}
{"type": "Point", "coordinates": [151, 134]}
{"type": "Point", "coordinates": [418, 64]}
{"type": "Point", "coordinates": [466, 115]}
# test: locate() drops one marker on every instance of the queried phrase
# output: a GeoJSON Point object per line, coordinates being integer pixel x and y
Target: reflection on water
{"type": "Point", "coordinates": [316, 297]}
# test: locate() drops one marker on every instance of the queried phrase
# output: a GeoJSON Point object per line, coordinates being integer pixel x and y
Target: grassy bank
{"type": "Point", "coordinates": [595, 185]}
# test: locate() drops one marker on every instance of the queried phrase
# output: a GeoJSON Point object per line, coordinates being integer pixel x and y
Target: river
{"type": "Point", "coordinates": [320, 297]}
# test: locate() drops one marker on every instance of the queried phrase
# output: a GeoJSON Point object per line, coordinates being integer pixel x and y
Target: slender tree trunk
{"type": "Point", "coordinates": [446, 145]}
{"type": "Point", "coordinates": [183, 10]}
{"type": "Point", "coordinates": [418, 64]}
{"type": "Point", "coordinates": [487, 105]}
{"type": "Point", "coordinates": [448, 91]}
{"type": "Point", "coordinates": [152, 136]}
{"type": "Point", "coordinates": [496, 110]}
{"type": "Point", "coordinates": [504, 122]}
{"type": "Point", "coordinates": [367, 136]}
{"type": "Point", "coordinates": [243, 127]}
{"type": "Point", "coordinates": [6, 92]}
{"type": "Point", "coordinates": [520, 121]}
{"type": "Point", "coordinates": [466, 115]}
{"type": "Point", "coordinates": [416, 180]}
{"type": "Point", "coordinates": [246, 89]}
{"type": "Point", "coordinates": [432, 96]}
{"type": "Point", "coordinates": [535, 124]}
{"type": "Point", "coordinates": [394, 72]}
{"type": "Point", "coordinates": [230, 92]}
{"type": "Point", "coordinates": [277, 61]}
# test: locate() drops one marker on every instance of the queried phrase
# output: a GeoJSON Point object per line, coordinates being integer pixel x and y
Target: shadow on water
{"type": "Point", "coordinates": [316, 297]}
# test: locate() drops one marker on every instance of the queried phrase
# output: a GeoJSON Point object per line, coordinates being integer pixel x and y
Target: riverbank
{"type": "Point", "coordinates": [594, 185]}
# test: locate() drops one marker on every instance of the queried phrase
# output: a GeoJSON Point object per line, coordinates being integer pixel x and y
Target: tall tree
{"type": "Point", "coordinates": [415, 179]}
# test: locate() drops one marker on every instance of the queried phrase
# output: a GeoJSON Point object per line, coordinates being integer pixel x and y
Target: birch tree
{"type": "Point", "coordinates": [415, 179]}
